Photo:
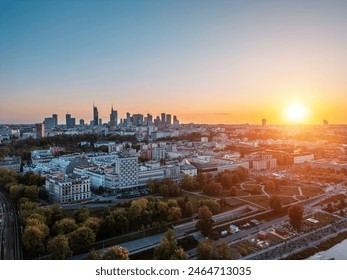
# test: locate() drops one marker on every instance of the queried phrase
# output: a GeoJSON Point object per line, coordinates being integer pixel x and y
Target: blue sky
{"type": "Point", "coordinates": [196, 59]}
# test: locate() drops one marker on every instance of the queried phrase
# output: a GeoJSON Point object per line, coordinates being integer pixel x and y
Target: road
{"type": "Point", "coordinates": [10, 247]}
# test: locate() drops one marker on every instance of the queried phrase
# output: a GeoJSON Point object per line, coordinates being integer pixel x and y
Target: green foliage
{"type": "Point", "coordinates": [295, 214]}
{"type": "Point", "coordinates": [168, 248]}
{"type": "Point", "coordinates": [93, 223]}
{"type": "Point", "coordinates": [202, 180]}
{"type": "Point", "coordinates": [94, 255]}
{"type": "Point", "coordinates": [275, 203]}
{"type": "Point", "coordinates": [209, 250]}
{"type": "Point", "coordinates": [59, 247]}
{"type": "Point", "coordinates": [81, 237]}
{"type": "Point", "coordinates": [233, 191]}
{"type": "Point", "coordinates": [64, 226]}
{"type": "Point", "coordinates": [81, 215]}
{"type": "Point", "coordinates": [213, 189]}
{"type": "Point", "coordinates": [116, 253]}
{"type": "Point", "coordinates": [33, 241]}
{"type": "Point", "coordinates": [212, 205]}
{"type": "Point", "coordinates": [189, 210]}
{"type": "Point", "coordinates": [188, 183]}
{"type": "Point", "coordinates": [205, 221]}
{"type": "Point", "coordinates": [174, 214]}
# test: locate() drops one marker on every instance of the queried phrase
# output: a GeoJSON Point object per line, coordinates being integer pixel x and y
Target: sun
{"type": "Point", "coordinates": [296, 112]}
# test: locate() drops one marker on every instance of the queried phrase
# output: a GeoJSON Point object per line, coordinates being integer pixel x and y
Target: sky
{"type": "Point", "coordinates": [204, 61]}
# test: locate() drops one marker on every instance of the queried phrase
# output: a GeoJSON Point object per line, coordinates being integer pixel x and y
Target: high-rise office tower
{"type": "Point", "coordinates": [175, 120]}
{"type": "Point", "coordinates": [168, 119]}
{"type": "Point", "coordinates": [55, 117]}
{"type": "Point", "coordinates": [49, 123]}
{"type": "Point", "coordinates": [81, 122]}
{"type": "Point", "coordinates": [70, 122]}
{"type": "Point", "coordinates": [95, 115]}
{"type": "Point", "coordinates": [113, 117]}
{"type": "Point", "coordinates": [68, 118]}
{"type": "Point", "coordinates": [263, 122]}
{"type": "Point", "coordinates": [39, 131]}
{"type": "Point", "coordinates": [157, 121]}
{"type": "Point", "coordinates": [149, 119]}
{"type": "Point", "coordinates": [163, 118]}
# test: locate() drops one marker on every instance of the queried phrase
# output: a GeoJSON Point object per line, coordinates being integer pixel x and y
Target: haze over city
{"type": "Point", "coordinates": [208, 61]}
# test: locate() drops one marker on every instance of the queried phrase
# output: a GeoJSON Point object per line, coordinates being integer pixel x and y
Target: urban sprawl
{"type": "Point", "coordinates": [152, 188]}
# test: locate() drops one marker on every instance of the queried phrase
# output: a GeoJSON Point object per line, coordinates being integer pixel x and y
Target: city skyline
{"type": "Point", "coordinates": [208, 62]}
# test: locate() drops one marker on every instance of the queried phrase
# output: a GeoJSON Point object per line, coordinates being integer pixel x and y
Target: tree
{"type": "Point", "coordinates": [213, 189]}
{"type": "Point", "coordinates": [209, 250]}
{"type": "Point", "coordinates": [295, 214]}
{"type": "Point", "coordinates": [94, 255]}
{"type": "Point", "coordinates": [227, 180]}
{"type": "Point", "coordinates": [64, 226]}
{"type": "Point", "coordinates": [222, 251]}
{"type": "Point", "coordinates": [189, 210]}
{"type": "Point", "coordinates": [202, 180]}
{"type": "Point", "coordinates": [59, 247]}
{"type": "Point", "coordinates": [81, 237]}
{"type": "Point", "coordinates": [212, 205]}
{"type": "Point", "coordinates": [233, 191]}
{"type": "Point", "coordinates": [81, 215]}
{"type": "Point", "coordinates": [162, 209]}
{"type": "Point", "coordinates": [187, 183]}
{"type": "Point", "coordinates": [204, 250]}
{"type": "Point", "coordinates": [93, 223]}
{"type": "Point", "coordinates": [168, 248]}
{"type": "Point", "coordinates": [275, 203]}
{"type": "Point", "coordinates": [34, 240]}
{"type": "Point", "coordinates": [164, 191]}
{"type": "Point", "coordinates": [116, 253]}
{"type": "Point", "coordinates": [205, 221]}
{"type": "Point", "coordinates": [174, 214]}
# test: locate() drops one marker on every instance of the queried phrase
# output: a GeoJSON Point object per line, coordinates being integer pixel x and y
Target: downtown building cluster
{"type": "Point", "coordinates": [130, 122]}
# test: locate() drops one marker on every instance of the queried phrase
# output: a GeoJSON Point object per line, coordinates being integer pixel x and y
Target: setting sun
{"type": "Point", "coordinates": [296, 112]}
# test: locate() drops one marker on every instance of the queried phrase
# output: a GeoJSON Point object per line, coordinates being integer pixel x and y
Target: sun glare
{"type": "Point", "coordinates": [296, 112]}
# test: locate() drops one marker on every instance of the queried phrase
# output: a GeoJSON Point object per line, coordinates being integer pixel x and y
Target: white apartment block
{"type": "Point", "coordinates": [126, 168]}
{"type": "Point", "coordinates": [68, 189]}
{"type": "Point", "coordinates": [41, 157]}
{"type": "Point", "coordinates": [302, 158]}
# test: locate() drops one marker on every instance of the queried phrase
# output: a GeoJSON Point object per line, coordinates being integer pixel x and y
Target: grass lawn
{"type": "Point", "coordinates": [259, 200]}
{"type": "Point", "coordinates": [311, 191]}
{"type": "Point", "coordinates": [285, 190]}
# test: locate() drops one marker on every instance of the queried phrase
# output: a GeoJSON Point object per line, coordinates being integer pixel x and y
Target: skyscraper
{"type": "Point", "coordinates": [263, 122]}
{"type": "Point", "coordinates": [95, 115]}
{"type": "Point", "coordinates": [149, 119]}
{"type": "Point", "coordinates": [70, 122]}
{"type": "Point", "coordinates": [168, 119]}
{"type": "Point", "coordinates": [68, 118]}
{"type": "Point", "coordinates": [175, 120]}
{"type": "Point", "coordinates": [49, 123]}
{"type": "Point", "coordinates": [55, 117]}
{"type": "Point", "coordinates": [113, 117]}
{"type": "Point", "coordinates": [163, 118]}
{"type": "Point", "coordinates": [39, 131]}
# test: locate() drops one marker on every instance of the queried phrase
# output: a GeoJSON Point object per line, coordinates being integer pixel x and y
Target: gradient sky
{"type": "Point", "coordinates": [205, 61]}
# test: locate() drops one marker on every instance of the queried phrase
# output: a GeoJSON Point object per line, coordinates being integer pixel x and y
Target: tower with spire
{"type": "Point", "coordinates": [113, 117]}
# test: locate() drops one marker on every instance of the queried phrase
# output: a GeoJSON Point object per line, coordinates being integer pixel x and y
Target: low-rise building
{"type": "Point", "coordinates": [67, 189]}
{"type": "Point", "coordinates": [12, 163]}
{"type": "Point", "coordinates": [41, 157]}
{"type": "Point", "coordinates": [188, 168]}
